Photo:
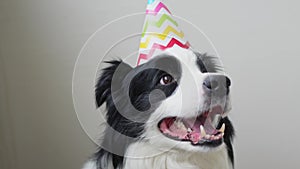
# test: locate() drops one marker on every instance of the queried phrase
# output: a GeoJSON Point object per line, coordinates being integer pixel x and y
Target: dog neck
{"type": "Point", "coordinates": [143, 155]}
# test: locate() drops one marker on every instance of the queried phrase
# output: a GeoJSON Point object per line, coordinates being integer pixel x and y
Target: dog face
{"type": "Point", "coordinates": [179, 99]}
{"type": "Point", "coordinates": [197, 98]}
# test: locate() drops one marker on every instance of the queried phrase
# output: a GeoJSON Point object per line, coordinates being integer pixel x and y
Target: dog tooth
{"type": "Point", "coordinates": [222, 129]}
{"type": "Point", "coordinates": [202, 130]}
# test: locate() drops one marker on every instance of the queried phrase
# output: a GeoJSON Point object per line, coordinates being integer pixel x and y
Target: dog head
{"type": "Point", "coordinates": [179, 99]}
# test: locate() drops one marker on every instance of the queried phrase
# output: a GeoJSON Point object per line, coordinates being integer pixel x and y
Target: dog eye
{"type": "Point", "coordinates": [167, 79]}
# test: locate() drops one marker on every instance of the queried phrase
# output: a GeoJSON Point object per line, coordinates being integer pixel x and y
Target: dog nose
{"type": "Point", "coordinates": [217, 85]}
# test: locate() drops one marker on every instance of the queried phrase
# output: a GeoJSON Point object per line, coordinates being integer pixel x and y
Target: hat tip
{"type": "Point", "coordinates": [150, 1]}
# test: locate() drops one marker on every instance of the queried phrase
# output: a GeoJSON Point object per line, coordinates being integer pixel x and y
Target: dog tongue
{"type": "Point", "coordinates": [170, 127]}
{"type": "Point", "coordinates": [180, 132]}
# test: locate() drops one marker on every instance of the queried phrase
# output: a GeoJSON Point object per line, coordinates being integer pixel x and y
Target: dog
{"type": "Point", "coordinates": [168, 113]}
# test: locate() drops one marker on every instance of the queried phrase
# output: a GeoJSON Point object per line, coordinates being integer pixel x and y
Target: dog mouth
{"type": "Point", "coordinates": [200, 130]}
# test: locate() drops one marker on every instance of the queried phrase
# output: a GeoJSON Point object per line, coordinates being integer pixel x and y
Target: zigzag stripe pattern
{"type": "Point", "coordinates": [159, 46]}
{"type": "Point", "coordinates": [157, 9]}
{"type": "Point", "coordinates": [159, 34]}
{"type": "Point", "coordinates": [162, 36]}
{"type": "Point", "coordinates": [159, 23]}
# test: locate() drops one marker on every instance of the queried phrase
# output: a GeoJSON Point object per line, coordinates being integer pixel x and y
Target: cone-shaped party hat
{"type": "Point", "coordinates": [160, 31]}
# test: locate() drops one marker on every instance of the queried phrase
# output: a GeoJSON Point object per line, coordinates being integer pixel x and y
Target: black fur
{"type": "Point", "coordinates": [103, 94]}
{"type": "Point", "coordinates": [208, 63]}
{"type": "Point", "coordinates": [118, 81]}
{"type": "Point", "coordinates": [228, 137]}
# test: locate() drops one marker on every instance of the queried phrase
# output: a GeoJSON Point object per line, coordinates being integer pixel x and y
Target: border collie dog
{"type": "Point", "coordinates": [168, 113]}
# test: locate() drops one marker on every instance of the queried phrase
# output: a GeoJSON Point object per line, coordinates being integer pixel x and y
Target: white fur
{"type": "Point", "coordinates": [138, 157]}
{"type": "Point", "coordinates": [90, 165]}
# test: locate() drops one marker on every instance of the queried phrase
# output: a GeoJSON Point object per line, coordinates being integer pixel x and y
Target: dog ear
{"type": "Point", "coordinates": [103, 86]}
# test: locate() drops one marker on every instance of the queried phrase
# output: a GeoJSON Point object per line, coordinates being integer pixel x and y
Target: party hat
{"type": "Point", "coordinates": [160, 32]}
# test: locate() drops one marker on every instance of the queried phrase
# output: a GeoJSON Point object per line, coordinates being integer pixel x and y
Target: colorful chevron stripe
{"type": "Point", "coordinates": [162, 36]}
{"type": "Point", "coordinates": [161, 47]}
{"type": "Point", "coordinates": [159, 23]}
{"type": "Point", "coordinates": [160, 31]}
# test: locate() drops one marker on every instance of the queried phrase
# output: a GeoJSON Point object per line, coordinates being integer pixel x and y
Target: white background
{"type": "Point", "coordinates": [257, 40]}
